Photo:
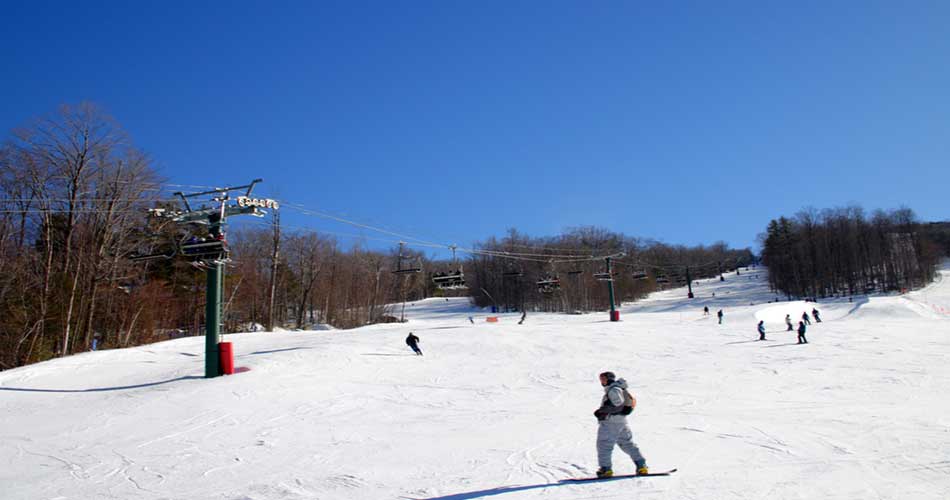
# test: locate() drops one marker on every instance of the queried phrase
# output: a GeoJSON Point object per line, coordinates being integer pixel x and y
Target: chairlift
{"type": "Point", "coordinates": [165, 255]}
{"type": "Point", "coordinates": [549, 284]}
{"type": "Point", "coordinates": [205, 249]}
{"type": "Point", "coordinates": [451, 280]}
{"type": "Point", "coordinates": [407, 270]}
{"type": "Point", "coordinates": [603, 277]}
{"type": "Point", "coordinates": [169, 252]}
{"type": "Point", "coordinates": [639, 275]}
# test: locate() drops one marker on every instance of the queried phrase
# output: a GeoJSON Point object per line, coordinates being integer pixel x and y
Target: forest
{"type": "Point", "coordinates": [844, 252]}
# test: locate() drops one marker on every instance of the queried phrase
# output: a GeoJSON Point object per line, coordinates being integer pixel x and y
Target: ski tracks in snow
{"type": "Point", "coordinates": [524, 463]}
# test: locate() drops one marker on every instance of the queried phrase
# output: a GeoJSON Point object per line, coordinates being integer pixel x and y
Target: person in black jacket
{"type": "Point", "coordinates": [814, 312]}
{"type": "Point", "coordinates": [801, 333]}
{"type": "Point", "coordinates": [805, 318]}
{"type": "Point", "coordinates": [413, 342]}
{"type": "Point", "coordinates": [720, 316]}
{"type": "Point", "coordinates": [761, 330]}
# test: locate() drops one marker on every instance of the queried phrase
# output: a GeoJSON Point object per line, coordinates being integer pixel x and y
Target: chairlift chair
{"type": "Point", "coordinates": [167, 254]}
{"type": "Point", "coordinates": [408, 270]}
{"type": "Point", "coordinates": [603, 277]}
{"type": "Point", "coordinates": [450, 281]}
{"type": "Point", "coordinates": [549, 284]}
{"type": "Point", "coordinates": [151, 242]}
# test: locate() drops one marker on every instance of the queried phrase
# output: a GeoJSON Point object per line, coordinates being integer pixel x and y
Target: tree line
{"type": "Point", "coordinates": [512, 273]}
{"type": "Point", "coordinates": [842, 251]}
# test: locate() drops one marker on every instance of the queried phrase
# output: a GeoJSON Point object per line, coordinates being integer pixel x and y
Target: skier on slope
{"type": "Point", "coordinates": [612, 427]}
{"type": "Point", "coordinates": [814, 312]}
{"type": "Point", "coordinates": [805, 318]}
{"type": "Point", "coordinates": [761, 328]}
{"type": "Point", "coordinates": [413, 342]}
{"type": "Point", "coordinates": [524, 314]}
{"type": "Point", "coordinates": [720, 316]}
{"type": "Point", "coordinates": [801, 333]}
{"type": "Point", "coordinates": [705, 310]}
{"type": "Point", "coordinates": [788, 321]}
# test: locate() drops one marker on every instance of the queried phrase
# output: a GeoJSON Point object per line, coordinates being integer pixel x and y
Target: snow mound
{"type": "Point", "coordinates": [891, 308]}
{"type": "Point", "coordinates": [775, 314]}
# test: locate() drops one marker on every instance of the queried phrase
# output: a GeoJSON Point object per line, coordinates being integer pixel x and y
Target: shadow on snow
{"type": "Point", "coordinates": [492, 492]}
{"type": "Point", "coordinates": [102, 389]}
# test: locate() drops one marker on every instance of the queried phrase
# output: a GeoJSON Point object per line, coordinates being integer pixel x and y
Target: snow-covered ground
{"type": "Point", "coordinates": [502, 410]}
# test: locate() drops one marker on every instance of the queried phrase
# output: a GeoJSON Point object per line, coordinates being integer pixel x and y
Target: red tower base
{"type": "Point", "coordinates": [226, 353]}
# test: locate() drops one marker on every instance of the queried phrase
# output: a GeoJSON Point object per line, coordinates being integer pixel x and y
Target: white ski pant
{"type": "Point", "coordinates": [613, 431]}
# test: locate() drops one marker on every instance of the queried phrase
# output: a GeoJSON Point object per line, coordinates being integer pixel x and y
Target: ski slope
{"type": "Point", "coordinates": [498, 410]}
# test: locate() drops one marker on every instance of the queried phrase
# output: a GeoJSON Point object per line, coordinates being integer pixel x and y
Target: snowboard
{"type": "Point", "coordinates": [618, 476]}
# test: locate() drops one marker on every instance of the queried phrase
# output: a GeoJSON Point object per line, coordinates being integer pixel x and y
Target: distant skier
{"type": "Point", "coordinates": [612, 428]}
{"type": "Point", "coordinates": [705, 310]}
{"type": "Point", "coordinates": [413, 342]}
{"type": "Point", "coordinates": [814, 312]}
{"type": "Point", "coordinates": [720, 316]}
{"type": "Point", "coordinates": [471, 320]}
{"type": "Point", "coordinates": [801, 333]}
{"type": "Point", "coordinates": [788, 321]}
{"type": "Point", "coordinates": [761, 328]}
{"type": "Point", "coordinates": [524, 314]}
{"type": "Point", "coordinates": [805, 318]}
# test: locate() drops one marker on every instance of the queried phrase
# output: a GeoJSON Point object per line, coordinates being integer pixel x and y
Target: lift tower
{"type": "Point", "coordinates": [211, 253]}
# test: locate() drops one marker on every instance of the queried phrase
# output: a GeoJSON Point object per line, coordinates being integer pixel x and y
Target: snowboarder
{"type": "Point", "coordinates": [720, 316]}
{"type": "Point", "coordinates": [788, 321]}
{"type": "Point", "coordinates": [612, 427]}
{"type": "Point", "coordinates": [705, 310]}
{"type": "Point", "coordinates": [524, 314]}
{"type": "Point", "coordinates": [801, 333]}
{"type": "Point", "coordinates": [814, 312]}
{"type": "Point", "coordinates": [805, 318]}
{"type": "Point", "coordinates": [761, 330]}
{"type": "Point", "coordinates": [413, 342]}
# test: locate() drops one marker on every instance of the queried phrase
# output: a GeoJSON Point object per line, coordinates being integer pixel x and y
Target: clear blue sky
{"type": "Point", "coordinates": [689, 122]}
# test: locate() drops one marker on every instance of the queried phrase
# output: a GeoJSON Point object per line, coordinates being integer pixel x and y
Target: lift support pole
{"type": "Point", "coordinates": [213, 320]}
{"type": "Point", "coordinates": [689, 283]}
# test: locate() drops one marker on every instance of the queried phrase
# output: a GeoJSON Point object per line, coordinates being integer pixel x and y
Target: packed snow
{"type": "Point", "coordinates": [505, 410]}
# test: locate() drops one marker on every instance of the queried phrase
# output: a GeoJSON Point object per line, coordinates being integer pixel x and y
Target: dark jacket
{"type": "Point", "coordinates": [412, 340]}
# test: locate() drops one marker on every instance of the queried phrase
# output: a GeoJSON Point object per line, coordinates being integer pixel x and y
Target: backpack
{"type": "Point", "coordinates": [629, 403]}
